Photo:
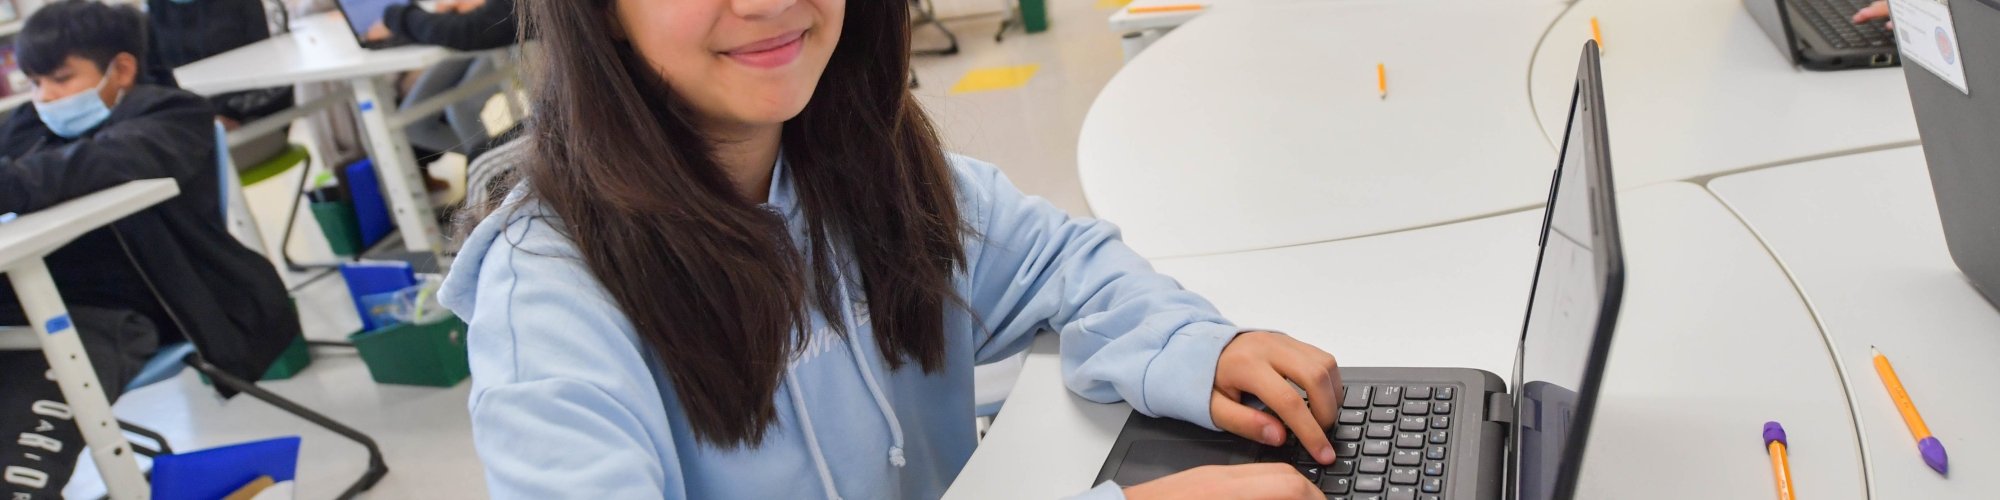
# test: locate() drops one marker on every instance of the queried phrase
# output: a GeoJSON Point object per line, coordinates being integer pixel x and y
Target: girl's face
{"type": "Point", "coordinates": [736, 62]}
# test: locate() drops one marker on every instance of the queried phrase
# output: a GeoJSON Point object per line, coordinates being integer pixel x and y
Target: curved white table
{"type": "Point", "coordinates": [1713, 341]}
{"type": "Point", "coordinates": [1693, 88]}
{"type": "Point", "coordinates": [1259, 125]}
{"type": "Point", "coordinates": [1860, 236]}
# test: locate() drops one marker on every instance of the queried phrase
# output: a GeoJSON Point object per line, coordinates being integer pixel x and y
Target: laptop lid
{"type": "Point", "coordinates": [361, 14]}
{"type": "Point", "coordinates": [1776, 23]}
{"type": "Point", "coordinates": [1959, 131]}
{"type": "Point", "coordinates": [1579, 282]}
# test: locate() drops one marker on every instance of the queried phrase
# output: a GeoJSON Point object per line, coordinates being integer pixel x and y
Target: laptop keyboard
{"type": "Point", "coordinates": [1391, 442]}
{"type": "Point", "coordinates": [1835, 21]}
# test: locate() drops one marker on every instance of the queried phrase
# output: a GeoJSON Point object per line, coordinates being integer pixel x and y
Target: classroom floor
{"type": "Point", "coordinates": [1023, 119]}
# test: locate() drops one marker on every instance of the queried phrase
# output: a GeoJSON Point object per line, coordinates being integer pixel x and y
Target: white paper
{"type": "Point", "coordinates": [1925, 35]}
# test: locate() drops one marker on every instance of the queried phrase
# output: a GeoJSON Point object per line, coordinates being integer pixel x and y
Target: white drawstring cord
{"type": "Point", "coordinates": [812, 441]}
{"type": "Point", "coordinates": [868, 377]}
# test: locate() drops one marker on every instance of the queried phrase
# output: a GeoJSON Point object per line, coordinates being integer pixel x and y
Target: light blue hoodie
{"type": "Point", "coordinates": [567, 402]}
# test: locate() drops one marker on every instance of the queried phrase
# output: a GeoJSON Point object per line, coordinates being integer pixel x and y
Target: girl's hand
{"type": "Point", "coordinates": [1873, 11]}
{"type": "Point", "coordinates": [1230, 482]}
{"type": "Point", "coordinates": [1262, 363]}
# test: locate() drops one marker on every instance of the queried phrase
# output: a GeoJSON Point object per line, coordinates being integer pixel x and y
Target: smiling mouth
{"type": "Point", "coordinates": [771, 52]}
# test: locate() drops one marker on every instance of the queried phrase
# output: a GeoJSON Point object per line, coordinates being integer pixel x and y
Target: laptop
{"type": "Point", "coordinates": [1445, 433]}
{"type": "Point", "coordinates": [1821, 34]}
{"type": "Point", "coordinates": [361, 14]}
{"type": "Point", "coordinates": [1958, 130]}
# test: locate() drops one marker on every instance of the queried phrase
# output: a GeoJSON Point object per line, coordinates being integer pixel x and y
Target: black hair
{"type": "Point", "coordinates": [84, 28]}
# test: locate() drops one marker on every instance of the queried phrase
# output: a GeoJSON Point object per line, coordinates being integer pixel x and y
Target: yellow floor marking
{"type": "Point", "coordinates": [1004, 77]}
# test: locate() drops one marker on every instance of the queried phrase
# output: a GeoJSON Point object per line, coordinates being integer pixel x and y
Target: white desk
{"type": "Point", "coordinates": [1694, 88]}
{"type": "Point", "coordinates": [23, 243]}
{"type": "Point", "coordinates": [322, 48]}
{"type": "Point", "coordinates": [1712, 343]}
{"type": "Point", "coordinates": [1860, 236]}
{"type": "Point", "coordinates": [1259, 125]}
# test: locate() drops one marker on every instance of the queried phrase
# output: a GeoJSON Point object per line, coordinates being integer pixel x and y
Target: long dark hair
{"type": "Point", "coordinates": [713, 283]}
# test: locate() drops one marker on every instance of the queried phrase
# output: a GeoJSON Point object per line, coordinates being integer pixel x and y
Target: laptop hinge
{"type": "Point", "coordinates": [1500, 408]}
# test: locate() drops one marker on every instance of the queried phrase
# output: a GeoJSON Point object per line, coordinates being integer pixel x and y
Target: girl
{"type": "Point", "coordinates": [739, 266]}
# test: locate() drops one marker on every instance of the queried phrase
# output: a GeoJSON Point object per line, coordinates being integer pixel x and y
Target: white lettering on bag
{"type": "Point", "coordinates": [41, 441]}
{"type": "Point", "coordinates": [26, 477]}
{"type": "Point", "coordinates": [52, 409]}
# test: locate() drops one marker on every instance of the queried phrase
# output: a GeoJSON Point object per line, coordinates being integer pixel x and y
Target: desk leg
{"type": "Point", "coordinates": [87, 405]}
{"type": "Point", "coordinates": [397, 165]}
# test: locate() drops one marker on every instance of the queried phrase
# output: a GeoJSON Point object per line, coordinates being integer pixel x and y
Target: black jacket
{"type": "Point", "coordinates": [230, 297]}
{"type": "Point", "coordinates": [490, 26]}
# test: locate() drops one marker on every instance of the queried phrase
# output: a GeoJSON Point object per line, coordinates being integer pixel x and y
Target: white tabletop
{"type": "Point", "coordinates": [1860, 236]}
{"type": "Point", "coordinates": [1712, 343]}
{"type": "Point", "coordinates": [1259, 125]}
{"type": "Point", "coordinates": [319, 48]}
{"type": "Point", "coordinates": [1370, 301]}
{"type": "Point", "coordinates": [1694, 88]}
{"type": "Point", "coordinates": [36, 234]}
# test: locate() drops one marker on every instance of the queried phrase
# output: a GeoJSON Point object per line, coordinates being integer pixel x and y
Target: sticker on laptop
{"type": "Point", "coordinates": [1925, 35]}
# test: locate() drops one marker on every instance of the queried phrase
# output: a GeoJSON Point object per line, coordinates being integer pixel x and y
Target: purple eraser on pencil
{"type": "Point", "coordinates": [1774, 432]}
{"type": "Point", "coordinates": [1933, 452]}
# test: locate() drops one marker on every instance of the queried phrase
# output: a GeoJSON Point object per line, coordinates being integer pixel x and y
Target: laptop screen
{"type": "Point", "coordinates": [364, 13]}
{"type": "Point", "coordinates": [1575, 281]}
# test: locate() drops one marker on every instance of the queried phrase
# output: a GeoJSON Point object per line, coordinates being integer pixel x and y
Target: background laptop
{"type": "Point", "coordinates": [361, 14]}
{"type": "Point", "coordinates": [1442, 433]}
{"type": "Point", "coordinates": [1821, 34]}
{"type": "Point", "coordinates": [1959, 131]}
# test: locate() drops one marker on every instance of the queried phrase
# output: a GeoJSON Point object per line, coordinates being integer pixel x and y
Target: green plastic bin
{"type": "Point", "coordinates": [294, 360]}
{"type": "Point", "coordinates": [431, 354]}
{"type": "Point", "coordinates": [337, 222]}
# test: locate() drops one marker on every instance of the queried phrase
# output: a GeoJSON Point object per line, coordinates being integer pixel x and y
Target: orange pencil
{"type": "Point", "coordinates": [1382, 80]}
{"type": "Point", "coordinates": [1163, 8]}
{"type": "Point", "coordinates": [1927, 445]}
{"type": "Point", "coordinates": [1781, 466]}
{"type": "Point", "coordinates": [1596, 34]}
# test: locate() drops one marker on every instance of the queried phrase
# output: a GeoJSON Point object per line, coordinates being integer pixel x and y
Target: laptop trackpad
{"type": "Point", "coordinates": [1149, 459]}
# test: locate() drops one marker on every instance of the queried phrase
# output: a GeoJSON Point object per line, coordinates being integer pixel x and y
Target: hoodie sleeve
{"type": "Point", "coordinates": [1128, 333]}
{"type": "Point", "coordinates": [174, 138]}
{"type": "Point", "coordinates": [490, 26]}
{"type": "Point", "coordinates": [561, 393]}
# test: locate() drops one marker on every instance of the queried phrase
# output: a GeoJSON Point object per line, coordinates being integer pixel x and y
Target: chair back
{"type": "Point", "coordinates": [235, 210]}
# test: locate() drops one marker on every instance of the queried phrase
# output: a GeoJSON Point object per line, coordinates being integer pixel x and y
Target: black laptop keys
{"type": "Point", "coordinates": [1391, 441]}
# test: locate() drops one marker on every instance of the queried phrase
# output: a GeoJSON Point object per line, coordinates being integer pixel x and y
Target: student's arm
{"type": "Point", "coordinates": [1128, 333]}
{"type": "Point", "coordinates": [176, 140]}
{"type": "Point", "coordinates": [490, 26]}
{"type": "Point", "coordinates": [560, 389]}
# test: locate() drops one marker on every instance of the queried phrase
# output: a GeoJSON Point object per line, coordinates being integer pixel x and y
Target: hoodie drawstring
{"type": "Point", "coordinates": [812, 441]}
{"type": "Point", "coordinates": [851, 317]}
{"type": "Point", "coordinates": [868, 377]}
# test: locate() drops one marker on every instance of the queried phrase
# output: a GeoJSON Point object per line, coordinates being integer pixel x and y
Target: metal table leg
{"type": "Point", "coordinates": [87, 406]}
{"type": "Point", "coordinates": [402, 180]}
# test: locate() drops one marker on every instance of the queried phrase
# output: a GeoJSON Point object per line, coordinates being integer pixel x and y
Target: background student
{"type": "Point", "coordinates": [463, 25]}
{"type": "Point", "coordinates": [741, 266]}
{"type": "Point", "coordinates": [94, 124]}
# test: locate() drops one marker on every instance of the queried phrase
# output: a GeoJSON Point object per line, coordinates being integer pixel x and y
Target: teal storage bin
{"type": "Point", "coordinates": [430, 354]}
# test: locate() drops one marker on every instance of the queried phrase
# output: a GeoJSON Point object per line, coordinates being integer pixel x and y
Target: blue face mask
{"type": "Point", "coordinates": [71, 116]}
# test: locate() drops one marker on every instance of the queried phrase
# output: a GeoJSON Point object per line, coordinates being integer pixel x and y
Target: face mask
{"type": "Point", "coordinates": [71, 116]}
